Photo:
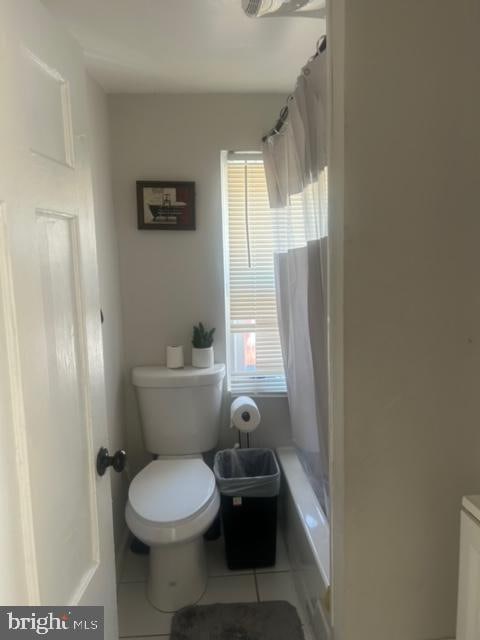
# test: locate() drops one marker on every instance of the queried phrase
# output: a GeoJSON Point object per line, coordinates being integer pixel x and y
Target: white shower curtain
{"type": "Point", "coordinates": [295, 166]}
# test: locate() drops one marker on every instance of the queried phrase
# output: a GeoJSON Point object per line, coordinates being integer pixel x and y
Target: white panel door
{"type": "Point", "coordinates": [468, 616]}
{"type": "Point", "coordinates": [56, 543]}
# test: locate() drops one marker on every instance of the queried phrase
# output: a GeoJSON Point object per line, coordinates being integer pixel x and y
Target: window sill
{"type": "Point", "coordinates": [259, 394]}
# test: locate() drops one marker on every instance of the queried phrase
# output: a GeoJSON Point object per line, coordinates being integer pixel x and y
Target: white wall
{"type": "Point", "coordinates": [411, 365]}
{"type": "Point", "coordinates": [172, 280]}
{"type": "Point", "coordinates": [109, 285]}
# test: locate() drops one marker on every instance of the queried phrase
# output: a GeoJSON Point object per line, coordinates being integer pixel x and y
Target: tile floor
{"type": "Point", "coordinates": [138, 620]}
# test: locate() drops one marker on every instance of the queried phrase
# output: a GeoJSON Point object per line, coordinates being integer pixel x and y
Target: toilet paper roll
{"type": "Point", "coordinates": [244, 414]}
{"type": "Point", "coordinates": [175, 357]}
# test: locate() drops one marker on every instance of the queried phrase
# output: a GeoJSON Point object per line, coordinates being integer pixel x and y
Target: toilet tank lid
{"type": "Point", "coordinates": [161, 377]}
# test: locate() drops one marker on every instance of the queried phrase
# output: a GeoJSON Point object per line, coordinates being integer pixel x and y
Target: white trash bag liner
{"type": "Point", "coordinates": [248, 473]}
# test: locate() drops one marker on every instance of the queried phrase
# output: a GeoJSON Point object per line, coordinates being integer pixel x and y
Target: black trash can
{"type": "Point", "coordinates": [249, 484]}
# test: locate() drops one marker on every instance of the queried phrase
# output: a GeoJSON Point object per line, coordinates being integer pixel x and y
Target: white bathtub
{"type": "Point", "coordinates": [307, 537]}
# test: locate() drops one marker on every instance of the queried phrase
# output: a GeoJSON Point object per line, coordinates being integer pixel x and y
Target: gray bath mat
{"type": "Point", "coordinates": [250, 621]}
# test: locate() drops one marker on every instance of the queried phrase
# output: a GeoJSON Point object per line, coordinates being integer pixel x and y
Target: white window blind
{"type": "Point", "coordinates": [255, 362]}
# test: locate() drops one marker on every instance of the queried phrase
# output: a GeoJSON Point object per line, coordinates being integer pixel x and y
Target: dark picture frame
{"type": "Point", "coordinates": [165, 205]}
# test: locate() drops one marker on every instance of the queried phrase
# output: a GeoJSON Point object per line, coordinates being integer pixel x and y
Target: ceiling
{"type": "Point", "coordinates": [187, 46]}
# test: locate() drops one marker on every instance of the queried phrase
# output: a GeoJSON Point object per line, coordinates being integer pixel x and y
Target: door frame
{"type": "Point", "coordinates": [336, 176]}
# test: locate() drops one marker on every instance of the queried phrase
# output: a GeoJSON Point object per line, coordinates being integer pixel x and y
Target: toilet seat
{"type": "Point", "coordinates": [172, 500]}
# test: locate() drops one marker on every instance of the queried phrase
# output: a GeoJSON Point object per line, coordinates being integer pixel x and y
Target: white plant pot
{"type": "Point", "coordinates": [202, 358]}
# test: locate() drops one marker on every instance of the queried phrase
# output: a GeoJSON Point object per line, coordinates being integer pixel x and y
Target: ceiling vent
{"type": "Point", "coordinates": [282, 8]}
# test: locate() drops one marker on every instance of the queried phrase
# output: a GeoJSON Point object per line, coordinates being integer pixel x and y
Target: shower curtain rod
{"type": "Point", "coordinates": [321, 46]}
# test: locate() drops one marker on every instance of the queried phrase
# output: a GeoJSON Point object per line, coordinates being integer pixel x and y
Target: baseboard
{"type": "Point", "coordinates": [121, 551]}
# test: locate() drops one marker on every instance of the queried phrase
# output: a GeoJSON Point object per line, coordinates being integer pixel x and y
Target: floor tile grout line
{"type": "Point", "coordinates": [256, 587]}
{"type": "Point", "coordinates": [227, 574]}
{"type": "Point", "coordinates": [241, 575]}
{"type": "Point", "coordinates": [269, 573]}
{"type": "Point", "coordinates": [245, 575]}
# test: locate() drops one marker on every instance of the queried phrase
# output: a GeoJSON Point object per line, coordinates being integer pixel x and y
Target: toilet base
{"type": "Point", "coordinates": [177, 574]}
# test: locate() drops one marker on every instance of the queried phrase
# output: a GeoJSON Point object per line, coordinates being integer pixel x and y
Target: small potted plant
{"type": "Point", "coordinates": [202, 350]}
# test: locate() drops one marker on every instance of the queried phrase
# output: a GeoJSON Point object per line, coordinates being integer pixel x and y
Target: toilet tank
{"type": "Point", "coordinates": [180, 409]}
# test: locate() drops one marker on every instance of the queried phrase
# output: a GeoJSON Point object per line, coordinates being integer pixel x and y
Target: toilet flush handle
{"type": "Point", "coordinates": [104, 460]}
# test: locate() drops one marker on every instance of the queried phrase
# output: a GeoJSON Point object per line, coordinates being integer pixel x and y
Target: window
{"type": "Point", "coordinates": [255, 362]}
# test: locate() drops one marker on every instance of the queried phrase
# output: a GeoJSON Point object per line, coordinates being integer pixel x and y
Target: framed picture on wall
{"type": "Point", "coordinates": [166, 206]}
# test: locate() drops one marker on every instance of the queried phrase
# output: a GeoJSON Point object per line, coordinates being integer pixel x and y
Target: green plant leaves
{"type": "Point", "coordinates": [202, 338]}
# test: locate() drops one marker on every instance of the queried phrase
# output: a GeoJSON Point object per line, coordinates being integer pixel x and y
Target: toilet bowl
{"type": "Point", "coordinates": [174, 499]}
{"type": "Point", "coordinates": [171, 503]}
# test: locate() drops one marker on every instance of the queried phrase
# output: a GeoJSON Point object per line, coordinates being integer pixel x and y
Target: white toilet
{"type": "Point", "coordinates": [174, 499]}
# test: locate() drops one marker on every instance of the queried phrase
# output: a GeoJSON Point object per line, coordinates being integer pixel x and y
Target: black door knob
{"type": "Point", "coordinates": [104, 460]}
